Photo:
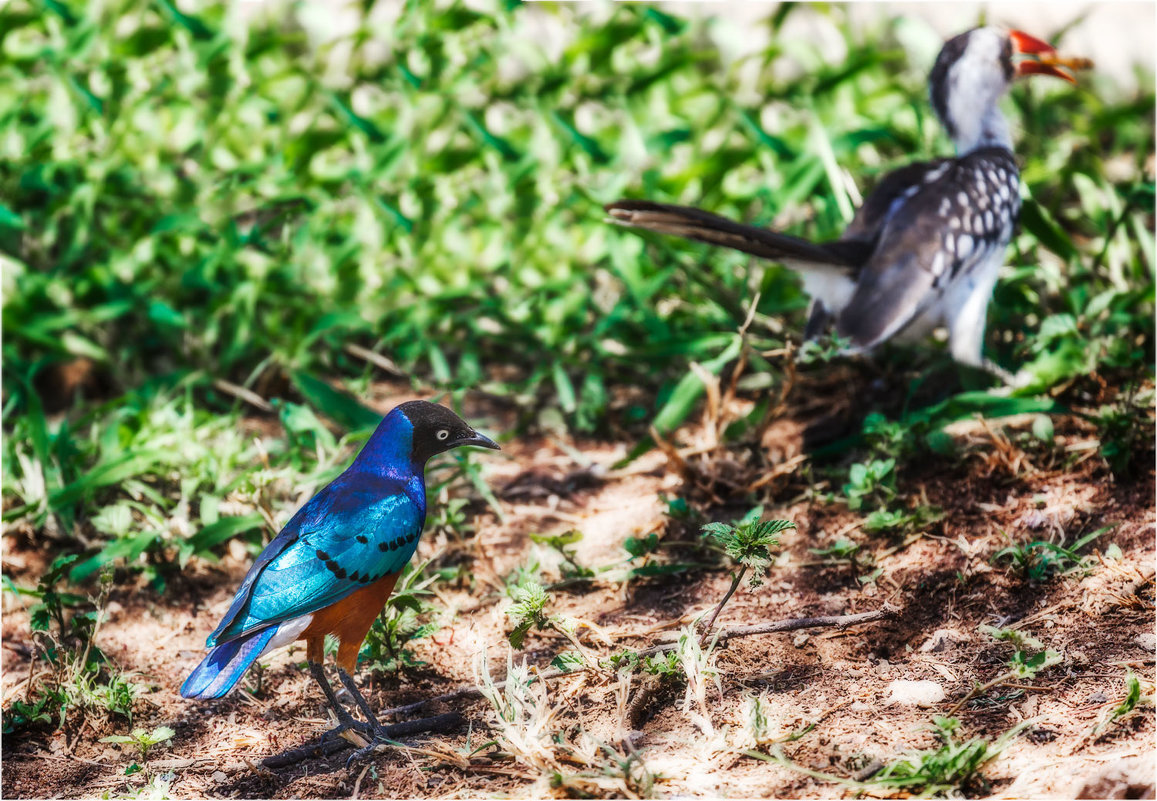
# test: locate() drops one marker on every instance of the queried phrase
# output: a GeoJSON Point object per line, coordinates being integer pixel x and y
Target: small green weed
{"type": "Point", "coordinates": [158, 788]}
{"type": "Point", "coordinates": [872, 483]}
{"type": "Point", "coordinates": [450, 517]}
{"type": "Point", "coordinates": [888, 438]}
{"type": "Point", "coordinates": [1134, 697]}
{"type": "Point", "coordinates": [48, 705]}
{"type": "Point", "coordinates": [823, 349]}
{"type": "Point", "coordinates": [1119, 425]}
{"type": "Point", "coordinates": [528, 609]}
{"type": "Point", "coordinates": [529, 600]}
{"type": "Point", "coordinates": [891, 520]}
{"type": "Point", "coordinates": [1041, 560]}
{"type": "Point", "coordinates": [954, 767]}
{"type": "Point", "coordinates": [749, 542]}
{"type": "Point", "coordinates": [840, 552]}
{"type": "Point", "coordinates": [82, 679]}
{"type": "Point", "coordinates": [951, 770]}
{"type": "Point", "coordinates": [663, 665]}
{"type": "Point", "coordinates": [560, 543]}
{"type": "Point", "coordinates": [405, 619]}
{"type": "Point", "coordinates": [1029, 659]}
{"type": "Point", "coordinates": [144, 740]}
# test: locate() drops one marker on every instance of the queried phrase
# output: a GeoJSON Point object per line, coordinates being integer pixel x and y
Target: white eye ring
{"type": "Point", "coordinates": [442, 434]}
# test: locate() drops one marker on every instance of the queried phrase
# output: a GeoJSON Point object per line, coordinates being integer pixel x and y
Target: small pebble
{"type": "Point", "coordinates": [921, 693]}
{"type": "Point", "coordinates": [219, 776]}
{"type": "Point", "coordinates": [800, 640]}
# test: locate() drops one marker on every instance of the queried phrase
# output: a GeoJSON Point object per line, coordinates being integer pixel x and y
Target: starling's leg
{"type": "Point", "coordinates": [359, 699]}
{"type": "Point", "coordinates": [345, 720]}
{"type": "Point", "coordinates": [379, 732]}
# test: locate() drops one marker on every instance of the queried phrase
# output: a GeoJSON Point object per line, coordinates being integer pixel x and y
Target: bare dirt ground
{"type": "Point", "coordinates": [828, 692]}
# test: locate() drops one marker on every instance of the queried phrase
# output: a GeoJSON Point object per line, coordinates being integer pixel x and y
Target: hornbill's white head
{"type": "Point", "coordinates": [972, 73]}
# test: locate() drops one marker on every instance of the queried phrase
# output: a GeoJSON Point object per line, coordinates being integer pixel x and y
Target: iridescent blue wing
{"type": "Point", "coordinates": [348, 536]}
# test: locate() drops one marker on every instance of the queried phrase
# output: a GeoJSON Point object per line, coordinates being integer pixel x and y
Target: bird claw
{"type": "Point", "coordinates": [366, 750]}
{"type": "Point", "coordinates": [356, 729]}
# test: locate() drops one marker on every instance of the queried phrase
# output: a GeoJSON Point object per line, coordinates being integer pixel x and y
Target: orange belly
{"type": "Point", "coordinates": [349, 620]}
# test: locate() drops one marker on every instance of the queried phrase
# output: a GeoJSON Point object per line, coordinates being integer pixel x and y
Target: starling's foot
{"type": "Point", "coordinates": [362, 752]}
{"type": "Point", "coordinates": [383, 735]}
{"type": "Point", "coordinates": [362, 730]}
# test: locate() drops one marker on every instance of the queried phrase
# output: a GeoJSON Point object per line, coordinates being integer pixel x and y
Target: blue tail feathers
{"type": "Point", "coordinates": [225, 665]}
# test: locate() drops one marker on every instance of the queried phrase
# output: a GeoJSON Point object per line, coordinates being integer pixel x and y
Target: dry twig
{"type": "Point", "coordinates": [243, 393]}
{"type": "Point", "coordinates": [321, 748]}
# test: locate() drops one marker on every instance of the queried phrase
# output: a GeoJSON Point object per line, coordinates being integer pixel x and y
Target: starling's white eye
{"type": "Point", "coordinates": [442, 434]}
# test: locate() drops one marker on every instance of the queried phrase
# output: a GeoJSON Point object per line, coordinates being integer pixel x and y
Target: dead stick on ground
{"type": "Point", "coordinates": [358, 783]}
{"type": "Point", "coordinates": [319, 748]}
{"type": "Point", "coordinates": [376, 359]}
{"type": "Point", "coordinates": [242, 393]}
{"type": "Point", "coordinates": [791, 624]}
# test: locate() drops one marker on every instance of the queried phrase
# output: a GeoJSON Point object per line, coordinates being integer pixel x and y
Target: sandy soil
{"type": "Point", "coordinates": [833, 688]}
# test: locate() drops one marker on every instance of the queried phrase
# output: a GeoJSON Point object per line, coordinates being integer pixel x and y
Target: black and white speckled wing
{"type": "Point", "coordinates": [931, 234]}
{"type": "Point", "coordinates": [888, 195]}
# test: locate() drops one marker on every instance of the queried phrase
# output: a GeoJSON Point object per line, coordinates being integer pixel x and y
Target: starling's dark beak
{"type": "Point", "coordinates": [1047, 62]}
{"type": "Point", "coordinates": [481, 441]}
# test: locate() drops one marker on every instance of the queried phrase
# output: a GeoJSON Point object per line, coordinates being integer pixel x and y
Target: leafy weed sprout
{"type": "Point", "coordinates": [950, 770]}
{"type": "Point", "coordinates": [143, 739]}
{"type": "Point", "coordinates": [81, 677]}
{"type": "Point", "coordinates": [403, 621]}
{"type": "Point", "coordinates": [1042, 560]}
{"type": "Point", "coordinates": [748, 542]}
{"type": "Point", "coordinates": [1029, 659]}
{"type": "Point", "coordinates": [529, 600]}
{"type": "Point", "coordinates": [1134, 698]}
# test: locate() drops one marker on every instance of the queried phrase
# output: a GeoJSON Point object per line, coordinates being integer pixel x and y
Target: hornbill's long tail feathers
{"type": "Point", "coordinates": [704, 226]}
